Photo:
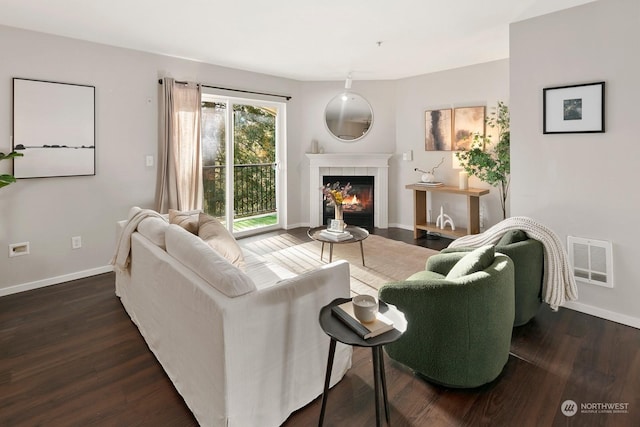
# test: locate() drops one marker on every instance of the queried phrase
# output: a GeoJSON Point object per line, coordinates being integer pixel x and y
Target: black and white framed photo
{"type": "Point", "coordinates": [54, 127]}
{"type": "Point", "coordinates": [573, 109]}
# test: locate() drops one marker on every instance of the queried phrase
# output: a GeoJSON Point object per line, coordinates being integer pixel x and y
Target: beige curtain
{"type": "Point", "coordinates": [179, 157]}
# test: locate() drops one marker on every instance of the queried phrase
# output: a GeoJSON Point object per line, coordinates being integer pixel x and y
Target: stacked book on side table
{"type": "Point", "coordinates": [379, 326]}
{"type": "Point", "coordinates": [335, 236]}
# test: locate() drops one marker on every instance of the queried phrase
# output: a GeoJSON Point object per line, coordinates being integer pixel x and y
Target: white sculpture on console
{"type": "Point", "coordinates": [444, 219]}
{"type": "Point", "coordinates": [429, 176]}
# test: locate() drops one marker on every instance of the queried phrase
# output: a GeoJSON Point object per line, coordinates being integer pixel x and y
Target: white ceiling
{"type": "Point", "coordinates": [298, 39]}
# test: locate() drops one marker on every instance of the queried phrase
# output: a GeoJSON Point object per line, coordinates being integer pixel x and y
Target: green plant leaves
{"type": "Point", "coordinates": [11, 155]}
{"type": "Point", "coordinates": [492, 166]}
{"type": "Point", "coordinates": [6, 179]}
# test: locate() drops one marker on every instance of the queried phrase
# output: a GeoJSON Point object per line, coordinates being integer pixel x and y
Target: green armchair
{"type": "Point", "coordinates": [459, 318]}
{"type": "Point", "coordinates": [528, 259]}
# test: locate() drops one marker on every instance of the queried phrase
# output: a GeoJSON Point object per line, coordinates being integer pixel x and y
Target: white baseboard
{"type": "Point", "coordinates": [623, 319]}
{"type": "Point", "coordinates": [55, 280]}
{"type": "Point", "coordinates": [298, 225]}
{"type": "Point", "coordinates": [402, 226]}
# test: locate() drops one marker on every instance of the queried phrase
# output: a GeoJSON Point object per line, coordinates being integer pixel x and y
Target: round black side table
{"type": "Point", "coordinates": [339, 331]}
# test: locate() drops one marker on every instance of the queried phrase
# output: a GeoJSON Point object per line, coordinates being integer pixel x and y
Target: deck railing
{"type": "Point", "coordinates": [254, 189]}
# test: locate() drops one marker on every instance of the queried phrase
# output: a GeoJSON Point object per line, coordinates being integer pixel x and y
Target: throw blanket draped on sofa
{"type": "Point", "coordinates": [559, 285]}
{"type": "Point", "coordinates": [121, 258]}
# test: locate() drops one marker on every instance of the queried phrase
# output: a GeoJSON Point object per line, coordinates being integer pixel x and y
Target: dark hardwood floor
{"type": "Point", "coordinates": [70, 356]}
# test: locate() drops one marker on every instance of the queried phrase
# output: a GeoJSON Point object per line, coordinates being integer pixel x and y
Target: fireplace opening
{"type": "Point", "coordinates": [358, 205]}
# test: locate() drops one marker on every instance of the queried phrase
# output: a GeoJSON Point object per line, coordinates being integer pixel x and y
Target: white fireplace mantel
{"type": "Point", "coordinates": [365, 164]}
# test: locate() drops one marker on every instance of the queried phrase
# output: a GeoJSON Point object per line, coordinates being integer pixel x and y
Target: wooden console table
{"type": "Point", "coordinates": [420, 210]}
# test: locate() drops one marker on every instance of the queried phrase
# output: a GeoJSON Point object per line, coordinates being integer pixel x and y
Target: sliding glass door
{"type": "Point", "coordinates": [241, 142]}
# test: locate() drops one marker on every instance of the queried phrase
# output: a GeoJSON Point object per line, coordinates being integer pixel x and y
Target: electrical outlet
{"type": "Point", "coordinates": [76, 242]}
{"type": "Point", "coordinates": [17, 249]}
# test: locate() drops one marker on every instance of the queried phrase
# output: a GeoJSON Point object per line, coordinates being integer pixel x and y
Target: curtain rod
{"type": "Point", "coordinates": [287, 97]}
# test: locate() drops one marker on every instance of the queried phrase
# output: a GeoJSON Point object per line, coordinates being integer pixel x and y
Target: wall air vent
{"type": "Point", "coordinates": [591, 261]}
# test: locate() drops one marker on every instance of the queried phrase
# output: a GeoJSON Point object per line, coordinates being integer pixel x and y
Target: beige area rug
{"type": "Point", "coordinates": [386, 260]}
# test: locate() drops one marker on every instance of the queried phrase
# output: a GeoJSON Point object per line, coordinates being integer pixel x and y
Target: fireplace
{"type": "Point", "coordinates": [358, 206]}
{"type": "Point", "coordinates": [375, 165]}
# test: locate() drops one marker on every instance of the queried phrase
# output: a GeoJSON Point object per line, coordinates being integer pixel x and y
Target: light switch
{"type": "Point", "coordinates": [149, 161]}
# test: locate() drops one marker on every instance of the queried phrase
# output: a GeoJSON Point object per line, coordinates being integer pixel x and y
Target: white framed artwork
{"type": "Point", "coordinates": [573, 109]}
{"type": "Point", "coordinates": [54, 127]}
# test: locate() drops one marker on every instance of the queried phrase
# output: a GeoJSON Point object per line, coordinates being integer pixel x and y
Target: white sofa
{"type": "Point", "coordinates": [248, 360]}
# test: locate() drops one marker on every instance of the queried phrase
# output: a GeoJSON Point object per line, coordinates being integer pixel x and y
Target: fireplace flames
{"type": "Point", "coordinates": [352, 203]}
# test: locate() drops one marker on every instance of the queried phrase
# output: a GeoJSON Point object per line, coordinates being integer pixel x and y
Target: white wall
{"type": "Point", "coordinates": [482, 84]}
{"type": "Point", "coordinates": [48, 212]}
{"type": "Point", "coordinates": [582, 185]}
{"type": "Point", "coordinates": [314, 97]}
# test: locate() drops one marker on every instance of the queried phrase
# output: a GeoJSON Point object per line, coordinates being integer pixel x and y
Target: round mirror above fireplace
{"type": "Point", "coordinates": [348, 117]}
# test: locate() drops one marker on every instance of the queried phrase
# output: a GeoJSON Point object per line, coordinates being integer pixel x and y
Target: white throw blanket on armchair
{"type": "Point", "coordinates": [559, 285]}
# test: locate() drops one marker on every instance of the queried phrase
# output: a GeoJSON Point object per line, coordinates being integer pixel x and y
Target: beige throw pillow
{"type": "Point", "coordinates": [213, 233]}
{"type": "Point", "coordinates": [187, 220]}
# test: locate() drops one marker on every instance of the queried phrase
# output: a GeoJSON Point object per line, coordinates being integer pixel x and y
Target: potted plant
{"type": "Point", "coordinates": [6, 179]}
{"type": "Point", "coordinates": [491, 164]}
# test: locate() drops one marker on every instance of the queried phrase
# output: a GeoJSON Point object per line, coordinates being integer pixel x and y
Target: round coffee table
{"type": "Point", "coordinates": [359, 234]}
{"type": "Point", "coordinates": [338, 331]}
